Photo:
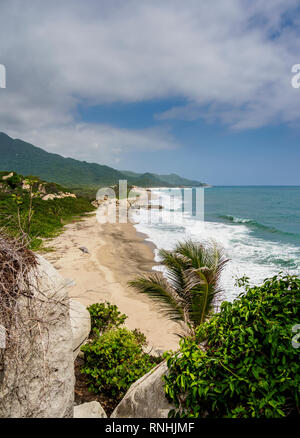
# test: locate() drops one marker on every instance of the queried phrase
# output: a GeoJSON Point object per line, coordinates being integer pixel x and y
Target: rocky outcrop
{"type": "Point", "coordinates": [5, 177]}
{"type": "Point", "coordinates": [59, 195]}
{"type": "Point", "coordinates": [25, 185]}
{"type": "Point", "coordinates": [42, 189]}
{"type": "Point", "coordinates": [149, 207]}
{"type": "Point", "coordinates": [145, 398]}
{"type": "Point", "coordinates": [39, 189]}
{"type": "Point", "coordinates": [89, 410]}
{"type": "Point", "coordinates": [38, 376]}
{"type": "Point", "coordinates": [80, 324]}
{"type": "Point", "coordinates": [105, 201]}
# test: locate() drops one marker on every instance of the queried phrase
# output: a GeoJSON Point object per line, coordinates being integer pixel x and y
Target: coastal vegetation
{"type": "Point", "coordinates": [113, 361]}
{"type": "Point", "coordinates": [241, 363]}
{"type": "Point", "coordinates": [105, 316]}
{"type": "Point", "coordinates": [190, 285]}
{"type": "Point", "coordinates": [114, 356]}
{"type": "Point", "coordinates": [32, 209]}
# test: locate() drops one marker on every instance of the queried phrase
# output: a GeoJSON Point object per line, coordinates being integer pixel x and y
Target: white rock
{"type": "Point", "coordinates": [5, 177]}
{"type": "Point", "coordinates": [145, 398]}
{"type": "Point", "coordinates": [89, 410]}
{"type": "Point", "coordinates": [60, 195]}
{"type": "Point", "coordinates": [39, 381]}
{"type": "Point", "coordinates": [80, 324]}
{"type": "Point", "coordinates": [42, 188]}
{"type": "Point", "coordinates": [25, 186]}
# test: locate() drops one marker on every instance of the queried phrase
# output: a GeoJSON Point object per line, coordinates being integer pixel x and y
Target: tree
{"type": "Point", "coordinates": [18, 199]}
{"type": "Point", "coordinates": [191, 282]}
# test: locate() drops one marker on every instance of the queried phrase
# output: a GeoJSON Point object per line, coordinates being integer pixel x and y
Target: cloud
{"type": "Point", "coordinates": [230, 60]}
{"type": "Point", "coordinates": [96, 142]}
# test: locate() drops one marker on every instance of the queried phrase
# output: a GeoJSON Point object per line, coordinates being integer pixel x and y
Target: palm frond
{"type": "Point", "coordinates": [194, 252]}
{"type": "Point", "coordinates": [174, 269]}
{"type": "Point", "coordinates": [191, 285]}
{"type": "Point", "coordinates": [157, 287]}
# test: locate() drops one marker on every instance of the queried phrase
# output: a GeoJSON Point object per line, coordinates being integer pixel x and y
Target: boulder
{"type": "Point", "coordinates": [60, 195]}
{"type": "Point", "coordinates": [38, 378]}
{"type": "Point", "coordinates": [89, 410]}
{"type": "Point", "coordinates": [155, 352]}
{"type": "Point", "coordinates": [25, 186]}
{"type": "Point", "coordinates": [42, 188]}
{"type": "Point", "coordinates": [145, 398]}
{"type": "Point", "coordinates": [80, 324]}
{"type": "Point", "coordinates": [48, 197]}
{"type": "Point", "coordinates": [5, 177]}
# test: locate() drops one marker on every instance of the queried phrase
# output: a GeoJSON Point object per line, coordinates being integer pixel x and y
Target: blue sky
{"type": "Point", "coordinates": [202, 89]}
{"type": "Point", "coordinates": [210, 152]}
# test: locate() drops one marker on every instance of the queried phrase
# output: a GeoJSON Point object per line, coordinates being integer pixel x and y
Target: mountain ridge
{"type": "Point", "coordinates": [27, 159]}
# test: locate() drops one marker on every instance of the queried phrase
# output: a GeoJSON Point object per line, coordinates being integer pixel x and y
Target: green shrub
{"type": "Point", "coordinates": [140, 337]}
{"type": "Point", "coordinates": [114, 361]}
{"type": "Point", "coordinates": [48, 218]}
{"type": "Point", "coordinates": [14, 181]}
{"type": "Point", "coordinates": [105, 316]}
{"type": "Point", "coordinates": [246, 366]}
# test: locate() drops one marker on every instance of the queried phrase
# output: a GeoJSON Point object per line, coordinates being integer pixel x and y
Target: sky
{"type": "Point", "coordinates": [202, 89]}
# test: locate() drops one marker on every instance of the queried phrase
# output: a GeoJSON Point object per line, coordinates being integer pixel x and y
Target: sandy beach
{"type": "Point", "coordinates": [117, 253]}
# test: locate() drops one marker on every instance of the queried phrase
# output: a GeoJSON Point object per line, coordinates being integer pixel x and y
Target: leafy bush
{"type": "Point", "coordinates": [14, 181]}
{"type": "Point", "coordinates": [246, 365]}
{"type": "Point", "coordinates": [140, 337]}
{"type": "Point", "coordinates": [48, 218]}
{"type": "Point", "coordinates": [105, 316]}
{"type": "Point", "coordinates": [114, 361]}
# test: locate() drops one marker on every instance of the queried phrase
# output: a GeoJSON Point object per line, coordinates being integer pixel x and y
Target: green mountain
{"type": "Point", "coordinates": [169, 180]}
{"type": "Point", "coordinates": [148, 180]}
{"type": "Point", "coordinates": [26, 159]}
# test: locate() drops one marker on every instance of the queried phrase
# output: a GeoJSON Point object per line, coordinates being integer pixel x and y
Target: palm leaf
{"type": "Point", "coordinates": [157, 287]}
{"type": "Point", "coordinates": [174, 270]}
{"type": "Point", "coordinates": [193, 272]}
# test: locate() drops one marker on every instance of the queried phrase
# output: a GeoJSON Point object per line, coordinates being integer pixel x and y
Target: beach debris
{"type": "Point", "coordinates": [84, 249]}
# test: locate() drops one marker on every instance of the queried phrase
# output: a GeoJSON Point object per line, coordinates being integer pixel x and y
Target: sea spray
{"type": "Point", "coordinates": [254, 251]}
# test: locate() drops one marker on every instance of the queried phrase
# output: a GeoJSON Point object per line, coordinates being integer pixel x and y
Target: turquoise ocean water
{"type": "Point", "coordinates": [259, 228]}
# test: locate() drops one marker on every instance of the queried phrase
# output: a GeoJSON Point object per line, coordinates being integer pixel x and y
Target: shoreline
{"type": "Point", "coordinates": [117, 254]}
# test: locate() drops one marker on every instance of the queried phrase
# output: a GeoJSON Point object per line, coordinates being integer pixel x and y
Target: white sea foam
{"type": "Point", "coordinates": [250, 256]}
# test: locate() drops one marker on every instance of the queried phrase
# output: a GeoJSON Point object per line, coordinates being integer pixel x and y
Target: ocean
{"type": "Point", "coordinates": [259, 228]}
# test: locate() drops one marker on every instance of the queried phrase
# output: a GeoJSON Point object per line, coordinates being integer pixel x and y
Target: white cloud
{"type": "Point", "coordinates": [96, 142]}
{"type": "Point", "coordinates": [230, 60]}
